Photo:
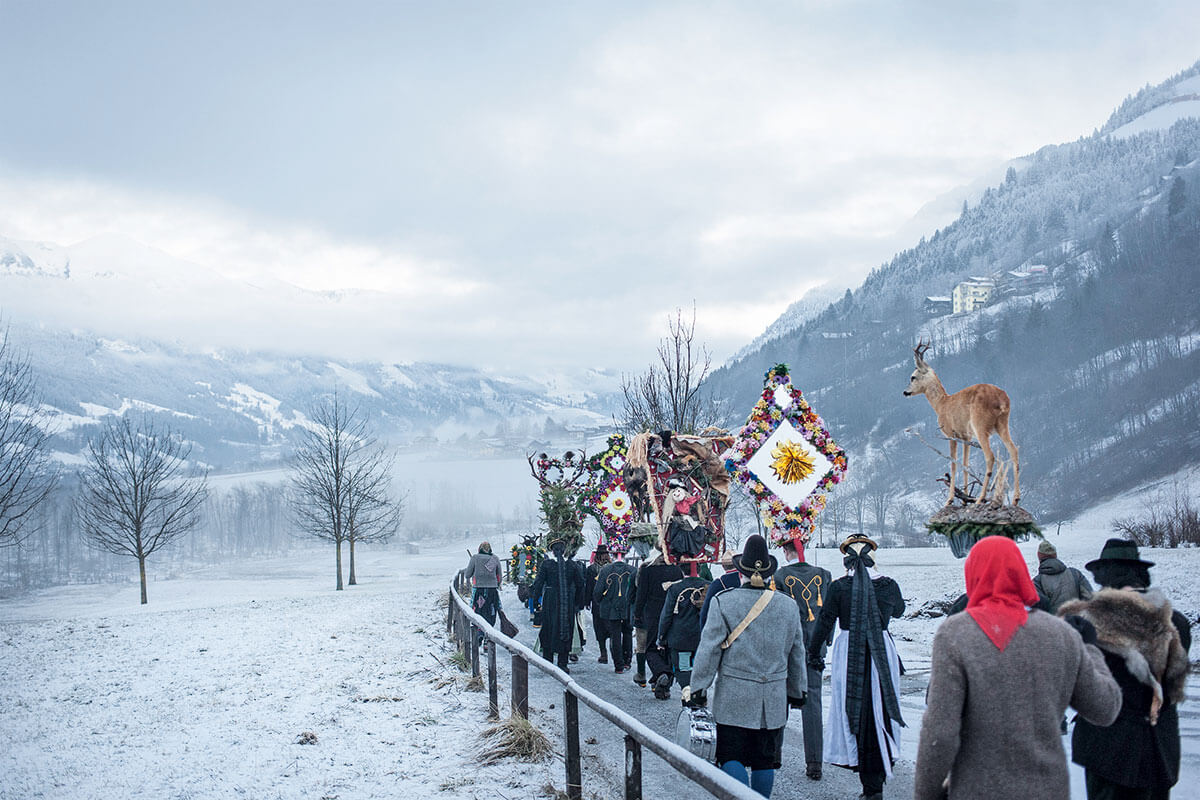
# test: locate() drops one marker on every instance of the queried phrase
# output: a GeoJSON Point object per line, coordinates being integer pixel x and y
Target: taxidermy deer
{"type": "Point", "coordinates": [975, 412]}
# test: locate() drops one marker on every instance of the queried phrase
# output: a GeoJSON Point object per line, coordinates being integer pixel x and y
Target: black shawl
{"type": "Point", "coordinates": [866, 634]}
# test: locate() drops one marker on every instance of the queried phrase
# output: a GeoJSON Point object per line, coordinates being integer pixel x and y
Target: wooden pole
{"type": "Point", "coordinates": [571, 731]}
{"type": "Point", "coordinates": [520, 686]}
{"type": "Point", "coordinates": [633, 768]}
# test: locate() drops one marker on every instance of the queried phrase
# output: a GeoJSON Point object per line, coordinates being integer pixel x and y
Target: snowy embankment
{"type": "Point", "coordinates": [206, 692]}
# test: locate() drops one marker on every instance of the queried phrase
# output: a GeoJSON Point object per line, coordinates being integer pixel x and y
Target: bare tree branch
{"type": "Point", "coordinates": [27, 474]}
{"type": "Point", "coordinates": [668, 394]}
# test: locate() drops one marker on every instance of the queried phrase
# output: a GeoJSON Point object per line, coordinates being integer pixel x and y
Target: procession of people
{"type": "Point", "coordinates": [755, 643]}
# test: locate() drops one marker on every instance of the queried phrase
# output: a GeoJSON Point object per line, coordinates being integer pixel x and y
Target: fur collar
{"type": "Point", "coordinates": [1137, 627]}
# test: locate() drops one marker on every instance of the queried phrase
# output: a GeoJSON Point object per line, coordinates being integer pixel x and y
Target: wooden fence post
{"type": "Point", "coordinates": [571, 730]}
{"type": "Point", "coordinates": [493, 692]}
{"type": "Point", "coordinates": [520, 686]}
{"type": "Point", "coordinates": [633, 768]}
{"type": "Point", "coordinates": [474, 650]}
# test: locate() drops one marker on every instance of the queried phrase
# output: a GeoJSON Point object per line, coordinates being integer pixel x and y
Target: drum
{"type": "Point", "coordinates": [696, 731]}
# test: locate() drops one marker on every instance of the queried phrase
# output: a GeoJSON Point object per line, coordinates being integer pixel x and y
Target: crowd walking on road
{"type": "Point", "coordinates": [1025, 655]}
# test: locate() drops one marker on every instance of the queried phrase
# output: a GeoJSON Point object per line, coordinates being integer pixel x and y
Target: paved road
{"type": "Point", "coordinates": [604, 748]}
{"type": "Point", "coordinates": [604, 751]}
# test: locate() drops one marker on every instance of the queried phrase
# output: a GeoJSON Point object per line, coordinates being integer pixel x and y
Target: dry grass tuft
{"type": "Point", "coordinates": [475, 684]}
{"type": "Point", "coordinates": [460, 661]}
{"type": "Point", "coordinates": [517, 738]}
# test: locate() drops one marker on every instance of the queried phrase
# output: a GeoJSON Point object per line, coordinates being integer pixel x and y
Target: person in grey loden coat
{"type": "Point", "coordinates": [1056, 583]}
{"type": "Point", "coordinates": [484, 573]}
{"type": "Point", "coordinates": [758, 676]}
{"type": "Point", "coordinates": [1001, 677]}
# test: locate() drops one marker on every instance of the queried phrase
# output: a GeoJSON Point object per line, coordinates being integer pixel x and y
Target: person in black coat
{"type": "Point", "coordinates": [1138, 755]}
{"type": "Point", "coordinates": [679, 625]}
{"type": "Point", "coordinates": [599, 559]}
{"type": "Point", "coordinates": [652, 581]}
{"type": "Point", "coordinates": [612, 599]}
{"type": "Point", "coordinates": [559, 586]}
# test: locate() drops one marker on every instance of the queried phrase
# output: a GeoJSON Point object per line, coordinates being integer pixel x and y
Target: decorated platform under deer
{"type": "Point", "coordinates": [969, 415]}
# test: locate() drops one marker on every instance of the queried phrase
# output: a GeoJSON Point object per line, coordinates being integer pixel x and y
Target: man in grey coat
{"type": "Point", "coordinates": [753, 647]}
{"type": "Point", "coordinates": [1056, 583]}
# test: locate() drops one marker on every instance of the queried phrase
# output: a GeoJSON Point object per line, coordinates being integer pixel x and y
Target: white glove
{"type": "Point", "coordinates": [687, 694]}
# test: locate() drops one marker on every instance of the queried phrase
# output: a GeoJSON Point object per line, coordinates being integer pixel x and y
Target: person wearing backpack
{"type": "Point", "coordinates": [752, 639]}
{"type": "Point", "coordinates": [679, 628]}
{"type": "Point", "coordinates": [612, 599]}
{"type": "Point", "coordinates": [808, 585]}
{"type": "Point", "coordinates": [1056, 583]}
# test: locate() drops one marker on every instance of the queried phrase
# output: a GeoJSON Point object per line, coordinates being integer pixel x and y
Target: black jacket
{"type": "Point", "coordinates": [612, 596]}
{"type": "Point", "coordinates": [836, 610]}
{"type": "Point", "coordinates": [559, 591]}
{"type": "Point", "coordinates": [809, 586]}
{"type": "Point", "coordinates": [1131, 752]}
{"type": "Point", "coordinates": [651, 594]}
{"type": "Point", "coordinates": [679, 620]}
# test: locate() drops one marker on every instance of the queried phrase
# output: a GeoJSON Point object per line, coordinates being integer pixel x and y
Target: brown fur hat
{"type": "Point", "coordinates": [1137, 626]}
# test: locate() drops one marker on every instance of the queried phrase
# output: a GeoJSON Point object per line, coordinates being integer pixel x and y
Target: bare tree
{"type": "Point", "coordinates": [668, 394]}
{"type": "Point", "coordinates": [373, 512]}
{"type": "Point", "coordinates": [27, 474]}
{"type": "Point", "coordinates": [136, 493]}
{"type": "Point", "coordinates": [341, 481]}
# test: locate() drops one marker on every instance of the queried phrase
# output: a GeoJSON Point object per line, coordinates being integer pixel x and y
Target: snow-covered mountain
{"type": "Point", "coordinates": [113, 327]}
{"type": "Point", "coordinates": [1093, 326]}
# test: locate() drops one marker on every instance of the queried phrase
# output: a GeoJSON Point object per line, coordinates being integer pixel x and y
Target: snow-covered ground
{"type": "Point", "coordinates": [205, 692]}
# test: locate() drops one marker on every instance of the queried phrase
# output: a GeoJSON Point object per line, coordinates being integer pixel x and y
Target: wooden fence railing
{"type": "Point", "coordinates": [464, 625]}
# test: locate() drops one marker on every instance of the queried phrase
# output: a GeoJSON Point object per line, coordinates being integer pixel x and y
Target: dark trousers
{"type": "Point", "coordinates": [682, 658]}
{"type": "Point", "coordinates": [1103, 789]}
{"type": "Point", "coordinates": [871, 772]}
{"type": "Point", "coordinates": [600, 629]}
{"type": "Point", "coordinates": [620, 633]}
{"type": "Point", "coordinates": [657, 660]}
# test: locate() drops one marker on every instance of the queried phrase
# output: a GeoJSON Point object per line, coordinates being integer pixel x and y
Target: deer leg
{"type": "Point", "coordinates": [953, 470]}
{"type": "Point", "coordinates": [966, 469]}
{"type": "Point", "coordinates": [989, 458]}
{"type": "Point", "coordinates": [1013, 454]}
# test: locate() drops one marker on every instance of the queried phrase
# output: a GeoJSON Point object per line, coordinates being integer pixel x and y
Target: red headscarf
{"type": "Point", "coordinates": [998, 588]}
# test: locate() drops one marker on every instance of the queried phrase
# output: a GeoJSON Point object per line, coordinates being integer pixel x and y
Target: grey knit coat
{"type": "Point", "coordinates": [761, 669]}
{"type": "Point", "coordinates": [992, 722]}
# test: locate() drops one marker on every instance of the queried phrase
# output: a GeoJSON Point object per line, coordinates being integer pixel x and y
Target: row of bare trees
{"type": "Point", "coordinates": [342, 483]}
{"type": "Point", "coordinates": [139, 490]}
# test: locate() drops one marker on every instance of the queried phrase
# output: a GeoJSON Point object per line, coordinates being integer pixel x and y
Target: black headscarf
{"type": "Point", "coordinates": [866, 633]}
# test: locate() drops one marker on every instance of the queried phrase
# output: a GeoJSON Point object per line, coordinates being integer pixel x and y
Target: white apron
{"type": "Point", "coordinates": [841, 748]}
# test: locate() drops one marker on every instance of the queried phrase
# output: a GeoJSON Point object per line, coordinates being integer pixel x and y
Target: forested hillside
{"type": "Point", "coordinates": [1100, 358]}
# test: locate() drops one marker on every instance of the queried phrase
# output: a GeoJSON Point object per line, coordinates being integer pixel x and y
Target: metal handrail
{"type": "Point", "coordinates": [637, 735]}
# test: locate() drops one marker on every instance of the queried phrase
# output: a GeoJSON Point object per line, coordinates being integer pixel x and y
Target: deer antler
{"type": "Point", "coordinates": [921, 349]}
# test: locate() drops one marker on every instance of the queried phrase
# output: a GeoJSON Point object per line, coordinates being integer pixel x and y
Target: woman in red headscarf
{"type": "Point", "coordinates": [1002, 676]}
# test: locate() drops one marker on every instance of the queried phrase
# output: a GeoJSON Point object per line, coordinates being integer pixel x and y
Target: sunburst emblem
{"type": "Point", "coordinates": [792, 462]}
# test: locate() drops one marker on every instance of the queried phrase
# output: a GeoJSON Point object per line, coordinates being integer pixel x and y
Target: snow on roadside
{"type": "Point", "coordinates": [206, 693]}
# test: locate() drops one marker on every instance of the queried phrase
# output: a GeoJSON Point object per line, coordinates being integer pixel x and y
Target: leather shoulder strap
{"type": "Point", "coordinates": [751, 615]}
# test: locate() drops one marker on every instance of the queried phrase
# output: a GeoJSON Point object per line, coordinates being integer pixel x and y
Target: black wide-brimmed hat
{"type": "Point", "coordinates": [857, 538]}
{"type": "Point", "coordinates": [755, 560]}
{"type": "Point", "coordinates": [601, 549]}
{"type": "Point", "coordinates": [1119, 551]}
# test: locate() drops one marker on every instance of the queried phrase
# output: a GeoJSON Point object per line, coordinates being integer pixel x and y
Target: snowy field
{"type": "Point", "coordinates": [206, 692]}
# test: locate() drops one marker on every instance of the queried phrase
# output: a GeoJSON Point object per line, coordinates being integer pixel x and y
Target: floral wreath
{"type": "Point", "coordinates": [786, 523]}
{"type": "Point", "coordinates": [605, 496]}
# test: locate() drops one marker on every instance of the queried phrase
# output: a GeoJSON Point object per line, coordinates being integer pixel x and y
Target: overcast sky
{"type": "Point", "coordinates": [544, 183]}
